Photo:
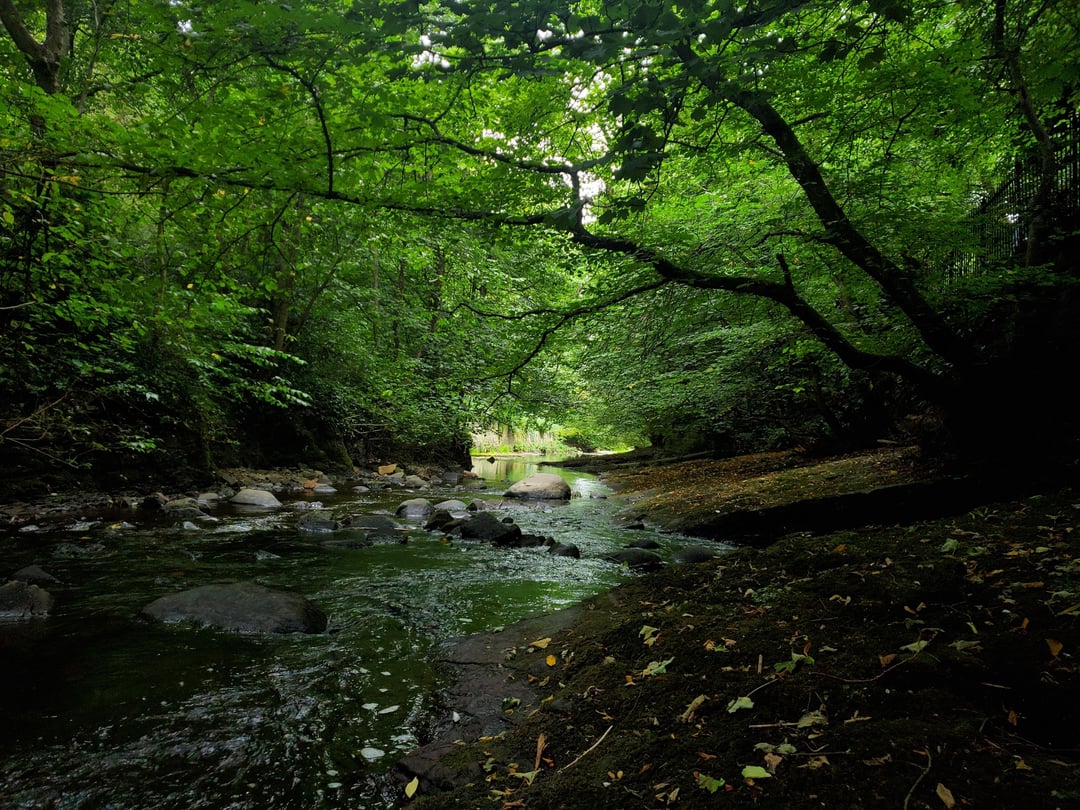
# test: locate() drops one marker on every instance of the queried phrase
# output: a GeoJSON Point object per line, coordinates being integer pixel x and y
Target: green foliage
{"type": "Point", "coordinates": [399, 222]}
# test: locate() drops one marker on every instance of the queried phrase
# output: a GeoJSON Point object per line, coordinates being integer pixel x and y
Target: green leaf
{"type": "Point", "coordinates": [740, 703]}
{"type": "Point", "coordinates": [755, 772]}
{"type": "Point", "coordinates": [706, 782]}
{"type": "Point", "coordinates": [656, 668]}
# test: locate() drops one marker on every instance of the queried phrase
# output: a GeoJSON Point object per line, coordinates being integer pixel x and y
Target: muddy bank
{"type": "Point", "coordinates": [902, 664]}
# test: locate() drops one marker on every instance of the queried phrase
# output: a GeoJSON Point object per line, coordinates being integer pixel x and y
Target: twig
{"type": "Point", "coordinates": [883, 672]}
{"type": "Point", "coordinates": [587, 750]}
{"type": "Point", "coordinates": [926, 770]}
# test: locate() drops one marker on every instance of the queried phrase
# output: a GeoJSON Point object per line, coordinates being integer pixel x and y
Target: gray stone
{"type": "Point", "coordinates": [34, 574]}
{"type": "Point", "coordinates": [242, 607]}
{"type": "Point", "coordinates": [372, 522]}
{"type": "Point", "coordinates": [565, 550]}
{"type": "Point", "coordinates": [415, 508]}
{"type": "Point", "coordinates": [181, 504]}
{"type": "Point", "coordinates": [695, 554]}
{"type": "Point", "coordinates": [488, 528]}
{"type": "Point", "coordinates": [20, 600]}
{"type": "Point", "coordinates": [540, 486]}
{"type": "Point", "coordinates": [317, 522]}
{"type": "Point", "coordinates": [638, 559]}
{"type": "Point", "coordinates": [256, 497]}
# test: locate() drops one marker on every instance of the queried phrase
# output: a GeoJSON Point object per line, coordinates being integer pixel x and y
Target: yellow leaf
{"type": "Point", "coordinates": [1055, 646]}
{"type": "Point", "coordinates": [541, 744]}
{"type": "Point", "coordinates": [946, 796]}
{"type": "Point", "coordinates": [695, 704]}
{"type": "Point", "coordinates": [541, 643]}
{"type": "Point", "coordinates": [551, 660]}
{"type": "Point", "coordinates": [411, 788]}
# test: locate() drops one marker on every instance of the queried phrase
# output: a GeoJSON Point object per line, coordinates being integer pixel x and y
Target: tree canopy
{"type": "Point", "coordinates": [376, 224]}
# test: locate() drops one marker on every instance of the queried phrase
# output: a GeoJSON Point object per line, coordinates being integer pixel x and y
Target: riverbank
{"type": "Point", "coordinates": [897, 664]}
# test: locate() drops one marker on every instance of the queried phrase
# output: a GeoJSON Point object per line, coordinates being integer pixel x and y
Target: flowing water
{"type": "Point", "coordinates": [100, 709]}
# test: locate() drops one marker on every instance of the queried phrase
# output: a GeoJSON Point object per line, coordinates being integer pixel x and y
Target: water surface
{"type": "Point", "coordinates": [101, 709]}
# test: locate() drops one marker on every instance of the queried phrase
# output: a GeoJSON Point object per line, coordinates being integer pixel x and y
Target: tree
{"type": "Point", "coordinates": [854, 135]}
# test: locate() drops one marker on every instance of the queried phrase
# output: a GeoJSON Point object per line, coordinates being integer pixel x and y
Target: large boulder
{"type": "Point", "coordinates": [21, 600]}
{"type": "Point", "coordinates": [540, 486]}
{"type": "Point", "coordinates": [488, 528]}
{"type": "Point", "coordinates": [241, 607]}
{"type": "Point", "coordinates": [256, 497]}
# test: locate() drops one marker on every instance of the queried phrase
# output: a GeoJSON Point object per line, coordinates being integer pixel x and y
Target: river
{"type": "Point", "coordinates": [100, 709]}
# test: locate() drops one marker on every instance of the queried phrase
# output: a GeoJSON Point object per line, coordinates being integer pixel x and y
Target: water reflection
{"type": "Point", "coordinates": [101, 709]}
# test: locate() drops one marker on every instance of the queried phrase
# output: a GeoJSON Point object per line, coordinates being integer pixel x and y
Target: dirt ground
{"type": "Point", "coordinates": [907, 665]}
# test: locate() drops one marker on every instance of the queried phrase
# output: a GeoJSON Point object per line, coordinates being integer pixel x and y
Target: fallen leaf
{"type": "Point", "coordinates": [412, 787]}
{"type": "Point", "coordinates": [706, 782]}
{"type": "Point", "coordinates": [814, 763]}
{"type": "Point", "coordinates": [528, 777]}
{"type": "Point", "coordinates": [648, 634]}
{"type": "Point", "coordinates": [740, 703]}
{"type": "Point", "coordinates": [540, 643]}
{"type": "Point", "coordinates": [772, 761]}
{"type": "Point", "coordinates": [1055, 646]}
{"type": "Point", "coordinates": [551, 660]}
{"type": "Point", "coordinates": [656, 668]}
{"type": "Point", "coordinates": [886, 659]}
{"type": "Point", "coordinates": [946, 796]}
{"type": "Point", "coordinates": [755, 772]}
{"type": "Point", "coordinates": [916, 646]}
{"type": "Point", "coordinates": [541, 744]}
{"type": "Point", "coordinates": [695, 704]}
{"type": "Point", "coordinates": [814, 718]}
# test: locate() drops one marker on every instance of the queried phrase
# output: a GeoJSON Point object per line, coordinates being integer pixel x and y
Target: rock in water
{"type": "Point", "coordinates": [540, 486]}
{"type": "Point", "coordinates": [256, 497]}
{"type": "Point", "coordinates": [489, 529]}
{"type": "Point", "coordinates": [20, 600]}
{"type": "Point", "coordinates": [415, 508]}
{"type": "Point", "coordinates": [695, 554]}
{"type": "Point", "coordinates": [241, 607]}
{"type": "Point", "coordinates": [638, 559]}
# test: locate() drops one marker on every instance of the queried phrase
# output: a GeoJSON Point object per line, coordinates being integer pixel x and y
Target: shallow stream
{"type": "Point", "coordinates": [100, 709]}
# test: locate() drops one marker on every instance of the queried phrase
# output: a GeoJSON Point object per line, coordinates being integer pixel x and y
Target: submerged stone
{"type": "Point", "coordinates": [241, 607]}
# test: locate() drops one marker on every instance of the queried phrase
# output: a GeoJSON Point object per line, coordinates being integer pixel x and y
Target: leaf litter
{"type": "Point", "coordinates": [949, 674]}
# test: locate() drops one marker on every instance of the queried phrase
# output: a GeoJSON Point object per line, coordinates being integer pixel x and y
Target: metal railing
{"type": "Point", "coordinates": [998, 228]}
